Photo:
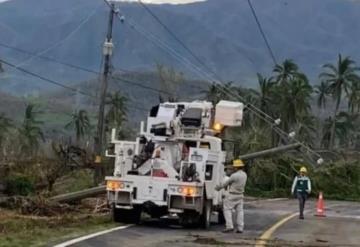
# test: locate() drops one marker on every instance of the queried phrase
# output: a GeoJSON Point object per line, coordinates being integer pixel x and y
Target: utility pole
{"type": "Point", "coordinates": [99, 140]}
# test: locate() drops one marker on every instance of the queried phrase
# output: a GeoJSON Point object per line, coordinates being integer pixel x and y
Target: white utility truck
{"type": "Point", "coordinates": [174, 164]}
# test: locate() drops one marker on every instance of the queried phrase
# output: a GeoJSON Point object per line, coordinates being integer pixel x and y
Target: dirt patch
{"type": "Point", "coordinates": [212, 241]}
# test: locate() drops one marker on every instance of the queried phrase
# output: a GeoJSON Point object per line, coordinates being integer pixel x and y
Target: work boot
{"type": "Point", "coordinates": [227, 230]}
{"type": "Point", "coordinates": [301, 217]}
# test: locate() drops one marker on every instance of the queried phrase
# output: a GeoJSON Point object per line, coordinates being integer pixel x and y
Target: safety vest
{"type": "Point", "coordinates": [302, 184]}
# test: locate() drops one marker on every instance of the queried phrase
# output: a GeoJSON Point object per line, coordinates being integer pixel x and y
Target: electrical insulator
{"type": "Point", "coordinates": [108, 48]}
{"type": "Point", "coordinates": [277, 121]}
{"type": "Point", "coordinates": [292, 134]}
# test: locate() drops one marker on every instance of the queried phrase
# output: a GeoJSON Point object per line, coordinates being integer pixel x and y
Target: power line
{"type": "Point", "coordinates": [54, 60]}
{"type": "Point", "coordinates": [161, 44]}
{"type": "Point", "coordinates": [185, 61]}
{"type": "Point", "coordinates": [262, 32]}
{"type": "Point", "coordinates": [127, 81]}
{"type": "Point", "coordinates": [141, 86]}
{"type": "Point", "coordinates": [156, 41]}
{"type": "Point", "coordinates": [182, 59]}
{"type": "Point", "coordinates": [166, 47]}
{"type": "Point", "coordinates": [218, 77]}
{"type": "Point", "coordinates": [44, 78]}
{"type": "Point", "coordinates": [176, 37]}
{"type": "Point", "coordinates": [78, 27]}
{"type": "Point", "coordinates": [59, 84]}
{"type": "Point", "coordinates": [77, 67]}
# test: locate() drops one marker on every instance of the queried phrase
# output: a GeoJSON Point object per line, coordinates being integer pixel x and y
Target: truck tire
{"type": "Point", "coordinates": [205, 219]}
{"type": "Point", "coordinates": [128, 216]}
{"type": "Point", "coordinates": [189, 219]}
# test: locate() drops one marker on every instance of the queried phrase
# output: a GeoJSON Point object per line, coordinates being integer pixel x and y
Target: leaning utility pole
{"type": "Point", "coordinates": [99, 140]}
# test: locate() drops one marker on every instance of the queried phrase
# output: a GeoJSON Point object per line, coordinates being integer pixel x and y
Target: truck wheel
{"type": "Point", "coordinates": [128, 216]}
{"type": "Point", "coordinates": [189, 219]}
{"type": "Point", "coordinates": [205, 219]}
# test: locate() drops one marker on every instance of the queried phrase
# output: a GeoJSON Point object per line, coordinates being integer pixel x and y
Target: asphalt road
{"type": "Point", "coordinates": [341, 227]}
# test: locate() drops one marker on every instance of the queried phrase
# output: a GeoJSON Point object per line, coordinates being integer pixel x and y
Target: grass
{"type": "Point", "coordinates": [18, 230]}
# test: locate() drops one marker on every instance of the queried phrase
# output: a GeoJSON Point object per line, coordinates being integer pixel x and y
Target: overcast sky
{"type": "Point", "coordinates": [169, 1]}
{"type": "Point", "coordinates": [156, 1]}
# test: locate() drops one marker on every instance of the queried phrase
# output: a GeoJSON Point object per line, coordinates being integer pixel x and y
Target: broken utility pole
{"type": "Point", "coordinates": [99, 139]}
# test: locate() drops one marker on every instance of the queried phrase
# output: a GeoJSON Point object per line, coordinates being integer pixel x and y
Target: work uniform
{"type": "Point", "coordinates": [234, 199]}
{"type": "Point", "coordinates": [301, 188]}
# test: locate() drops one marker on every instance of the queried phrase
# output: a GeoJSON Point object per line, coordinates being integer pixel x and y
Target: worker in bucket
{"type": "Point", "coordinates": [234, 197]}
{"type": "Point", "coordinates": [301, 188]}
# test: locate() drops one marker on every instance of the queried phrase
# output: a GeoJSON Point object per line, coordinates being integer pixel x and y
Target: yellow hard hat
{"type": "Point", "coordinates": [238, 163]}
{"type": "Point", "coordinates": [303, 169]}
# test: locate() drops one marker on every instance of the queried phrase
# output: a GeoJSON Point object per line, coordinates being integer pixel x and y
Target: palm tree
{"type": "Point", "coordinates": [354, 97]}
{"type": "Point", "coordinates": [31, 129]}
{"type": "Point", "coordinates": [251, 98]}
{"type": "Point", "coordinates": [305, 128]}
{"type": "Point", "coordinates": [339, 77]}
{"type": "Point", "coordinates": [348, 126]}
{"type": "Point", "coordinates": [266, 87]}
{"type": "Point", "coordinates": [254, 138]}
{"type": "Point", "coordinates": [80, 123]}
{"type": "Point", "coordinates": [217, 92]}
{"type": "Point", "coordinates": [5, 125]}
{"type": "Point", "coordinates": [228, 91]}
{"type": "Point", "coordinates": [286, 72]}
{"type": "Point", "coordinates": [212, 94]}
{"type": "Point", "coordinates": [290, 93]}
{"type": "Point", "coordinates": [292, 102]}
{"type": "Point", "coordinates": [322, 91]}
{"type": "Point", "coordinates": [117, 112]}
{"type": "Point", "coordinates": [345, 127]}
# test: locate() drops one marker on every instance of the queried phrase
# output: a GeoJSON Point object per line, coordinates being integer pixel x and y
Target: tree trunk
{"type": "Point", "coordinates": [333, 129]}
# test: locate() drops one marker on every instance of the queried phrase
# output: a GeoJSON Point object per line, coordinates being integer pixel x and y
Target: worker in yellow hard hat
{"type": "Point", "coordinates": [234, 197]}
{"type": "Point", "coordinates": [301, 188]}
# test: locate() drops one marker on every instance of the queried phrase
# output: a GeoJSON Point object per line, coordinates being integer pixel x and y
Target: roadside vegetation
{"type": "Point", "coordinates": [36, 164]}
{"type": "Point", "coordinates": [325, 117]}
{"type": "Point", "coordinates": [23, 230]}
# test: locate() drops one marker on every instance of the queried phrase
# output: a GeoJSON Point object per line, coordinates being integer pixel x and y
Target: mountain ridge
{"type": "Point", "coordinates": [222, 33]}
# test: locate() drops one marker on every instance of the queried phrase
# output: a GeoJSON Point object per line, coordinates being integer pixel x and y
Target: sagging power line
{"type": "Point", "coordinates": [258, 112]}
{"type": "Point", "coordinates": [253, 11]}
{"type": "Point", "coordinates": [73, 32]}
{"type": "Point", "coordinates": [45, 79]}
{"type": "Point", "coordinates": [91, 71]}
{"type": "Point", "coordinates": [59, 84]}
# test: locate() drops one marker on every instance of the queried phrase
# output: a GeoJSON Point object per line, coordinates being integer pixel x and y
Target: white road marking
{"type": "Point", "coordinates": [77, 240]}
